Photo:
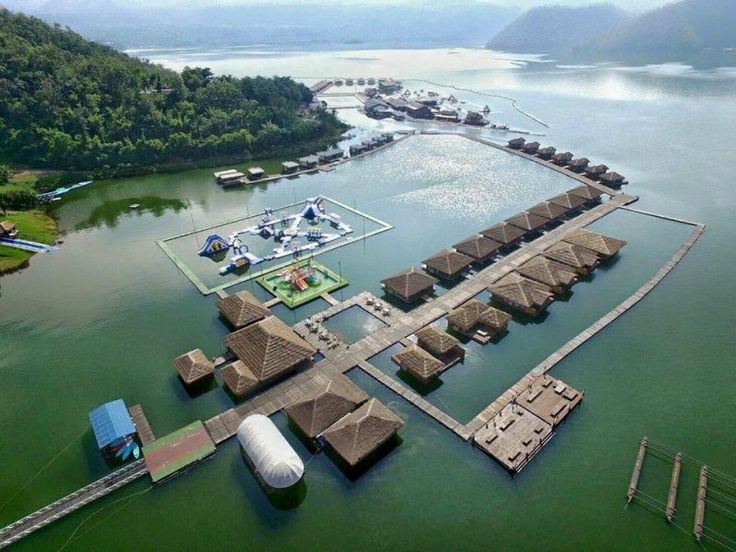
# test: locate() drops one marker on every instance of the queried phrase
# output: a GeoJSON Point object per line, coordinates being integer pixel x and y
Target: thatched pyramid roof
{"type": "Point", "coordinates": [410, 283]}
{"type": "Point", "coordinates": [548, 272]}
{"type": "Point", "coordinates": [448, 262]}
{"type": "Point", "coordinates": [238, 378]}
{"type": "Point", "coordinates": [325, 405]}
{"type": "Point", "coordinates": [568, 201]}
{"type": "Point", "coordinates": [612, 177]}
{"type": "Point", "coordinates": [550, 211]}
{"type": "Point", "coordinates": [469, 314]}
{"type": "Point", "coordinates": [436, 341]}
{"type": "Point", "coordinates": [193, 366]}
{"type": "Point", "coordinates": [495, 318]}
{"type": "Point", "coordinates": [503, 233]}
{"type": "Point", "coordinates": [526, 293]}
{"type": "Point", "coordinates": [572, 255]}
{"type": "Point", "coordinates": [269, 348]}
{"type": "Point", "coordinates": [527, 221]}
{"type": "Point", "coordinates": [603, 245]}
{"type": "Point", "coordinates": [360, 433]}
{"type": "Point", "coordinates": [586, 192]}
{"type": "Point", "coordinates": [418, 363]}
{"type": "Point", "coordinates": [242, 309]}
{"type": "Point", "coordinates": [477, 247]}
{"type": "Point", "coordinates": [596, 170]}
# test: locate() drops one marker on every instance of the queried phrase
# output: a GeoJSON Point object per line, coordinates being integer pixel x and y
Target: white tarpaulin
{"type": "Point", "coordinates": [271, 454]}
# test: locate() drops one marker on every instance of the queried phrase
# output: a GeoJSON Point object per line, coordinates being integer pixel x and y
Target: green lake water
{"type": "Point", "coordinates": [104, 316]}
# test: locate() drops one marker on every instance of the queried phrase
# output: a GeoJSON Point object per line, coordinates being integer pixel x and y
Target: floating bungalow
{"type": "Point", "coordinates": [308, 162]}
{"type": "Point", "coordinates": [546, 153]}
{"type": "Point", "coordinates": [419, 363]}
{"type": "Point", "coordinates": [595, 171]}
{"type": "Point", "coordinates": [325, 405]}
{"type": "Point", "coordinates": [238, 379]}
{"type": "Point", "coordinates": [360, 433]}
{"type": "Point", "coordinates": [256, 173]}
{"type": "Point", "coordinates": [549, 211]}
{"type": "Point", "coordinates": [579, 164]}
{"type": "Point", "coordinates": [504, 233]}
{"type": "Point", "coordinates": [447, 264]}
{"type": "Point", "coordinates": [550, 399]}
{"type": "Point", "coordinates": [357, 149]}
{"type": "Point", "coordinates": [475, 119]}
{"type": "Point", "coordinates": [603, 246]}
{"type": "Point", "coordinates": [581, 259]}
{"type": "Point", "coordinates": [388, 86]}
{"type": "Point", "coordinates": [419, 111]}
{"type": "Point", "coordinates": [446, 114]}
{"type": "Point", "coordinates": [516, 143]}
{"type": "Point", "coordinates": [588, 193]}
{"type": "Point", "coordinates": [570, 202]}
{"type": "Point", "coordinates": [562, 159]}
{"type": "Point", "coordinates": [409, 286]}
{"type": "Point", "coordinates": [397, 104]}
{"type": "Point", "coordinates": [289, 167]}
{"type": "Point", "coordinates": [177, 452]}
{"type": "Point", "coordinates": [558, 277]}
{"type": "Point", "coordinates": [268, 349]}
{"type": "Point", "coordinates": [194, 367]}
{"type": "Point", "coordinates": [429, 101]}
{"type": "Point", "coordinates": [478, 248]}
{"type": "Point", "coordinates": [330, 155]}
{"type": "Point", "coordinates": [273, 460]}
{"type": "Point", "coordinates": [242, 309]}
{"type": "Point", "coordinates": [372, 106]}
{"type": "Point", "coordinates": [612, 179]}
{"type": "Point", "coordinates": [114, 431]}
{"type": "Point", "coordinates": [530, 147]}
{"type": "Point", "coordinates": [522, 294]}
{"type": "Point", "coordinates": [231, 179]}
{"type": "Point", "coordinates": [440, 345]}
{"type": "Point", "coordinates": [478, 321]}
{"type": "Point", "coordinates": [8, 229]}
{"type": "Point", "coordinates": [528, 221]}
{"type": "Point", "coordinates": [220, 174]}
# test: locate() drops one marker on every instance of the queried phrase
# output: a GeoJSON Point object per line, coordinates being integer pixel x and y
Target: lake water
{"type": "Point", "coordinates": [103, 318]}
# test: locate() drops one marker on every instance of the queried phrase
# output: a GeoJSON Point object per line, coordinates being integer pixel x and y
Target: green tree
{"type": "Point", "coordinates": [5, 175]}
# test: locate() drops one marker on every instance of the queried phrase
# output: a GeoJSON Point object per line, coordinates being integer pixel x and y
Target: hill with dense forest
{"type": "Point", "coordinates": [68, 103]}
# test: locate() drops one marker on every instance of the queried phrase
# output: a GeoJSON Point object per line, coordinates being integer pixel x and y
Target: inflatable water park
{"type": "Point", "coordinates": [286, 229]}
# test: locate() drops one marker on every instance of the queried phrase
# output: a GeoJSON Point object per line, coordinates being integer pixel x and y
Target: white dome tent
{"type": "Point", "coordinates": [270, 454]}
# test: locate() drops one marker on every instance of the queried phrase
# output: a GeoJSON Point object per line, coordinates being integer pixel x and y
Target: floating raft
{"type": "Point", "coordinates": [168, 456]}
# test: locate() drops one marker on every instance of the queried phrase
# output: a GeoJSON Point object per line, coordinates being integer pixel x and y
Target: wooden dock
{"type": "Point", "coordinates": [145, 433]}
{"type": "Point", "coordinates": [674, 485]}
{"type": "Point", "coordinates": [700, 504]}
{"type": "Point", "coordinates": [636, 472]}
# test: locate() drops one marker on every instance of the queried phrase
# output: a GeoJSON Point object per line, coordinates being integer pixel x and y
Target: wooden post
{"type": "Point", "coordinates": [700, 503]}
{"type": "Point", "coordinates": [634, 483]}
{"type": "Point", "coordinates": [674, 484]}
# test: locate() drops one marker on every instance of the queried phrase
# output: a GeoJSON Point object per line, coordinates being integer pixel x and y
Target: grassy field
{"type": "Point", "coordinates": [33, 226]}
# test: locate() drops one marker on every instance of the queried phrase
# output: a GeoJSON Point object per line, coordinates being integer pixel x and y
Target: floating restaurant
{"type": "Point", "coordinates": [447, 264]}
{"type": "Point", "coordinates": [409, 286]}
{"type": "Point", "coordinates": [603, 246]}
{"type": "Point", "coordinates": [440, 344]}
{"type": "Point", "coordinates": [522, 294]}
{"type": "Point", "coordinates": [194, 367]}
{"type": "Point", "coordinates": [480, 249]}
{"type": "Point", "coordinates": [242, 309]}
{"type": "Point", "coordinates": [558, 277]}
{"type": "Point", "coordinates": [580, 259]}
{"type": "Point", "coordinates": [419, 363]}
{"type": "Point", "coordinates": [504, 233]}
{"type": "Point", "coordinates": [478, 321]}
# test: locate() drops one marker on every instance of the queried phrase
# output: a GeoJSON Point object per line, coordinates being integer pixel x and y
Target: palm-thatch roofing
{"type": "Point", "coordinates": [409, 285]}
{"type": "Point", "coordinates": [448, 263]}
{"type": "Point", "coordinates": [604, 246]}
{"type": "Point", "coordinates": [546, 152]}
{"type": "Point", "coordinates": [470, 314]}
{"type": "Point", "coordinates": [436, 341]}
{"type": "Point", "coordinates": [527, 221]}
{"type": "Point", "coordinates": [589, 193]}
{"type": "Point", "coordinates": [238, 378]}
{"type": "Point", "coordinates": [568, 201]}
{"type": "Point", "coordinates": [478, 247]}
{"type": "Point", "coordinates": [516, 143]}
{"type": "Point", "coordinates": [325, 405]}
{"type": "Point", "coordinates": [358, 434]}
{"type": "Point", "coordinates": [530, 147]}
{"type": "Point", "coordinates": [194, 366]}
{"type": "Point", "coordinates": [522, 293]}
{"type": "Point", "coordinates": [548, 272]}
{"type": "Point", "coordinates": [579, 164]}
{"type": "Point", "coordinates": [504, 233]}
{"type": "Point", "coordinates": [562, 158]}
{"type": "Point", "coordinates": [242, 309]}
{"type": "Point", "coordinates": [612, 178]}
{"type": "Point", "coordinates": [419, 363]}
{"type": "Point", "coordinates": [269, 348]}
{"type": "Point", "coordinates": [596, 170]}
{"type": "Point", "coordinates": [549, 211]}
{"type": "Point", "coordinates": [581, 259]}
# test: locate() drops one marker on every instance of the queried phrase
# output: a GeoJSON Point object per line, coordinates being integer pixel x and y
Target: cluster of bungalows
{"type": "Point", "coordinates": [527, 422]}
{"type": "Point", "coordinates": [372, 143]}
{"type": "Point", "coordinates": [233, 177]}
{"type": "Point", "coordinates": [341, 416]}
{"type": "Point", "coordinates": [434, 352]}
{"type": "Point", "coordinates": [580, 165]}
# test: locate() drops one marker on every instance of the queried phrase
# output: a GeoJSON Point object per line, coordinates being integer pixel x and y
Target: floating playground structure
{"type": "Point", "coordinates": [301, 282]}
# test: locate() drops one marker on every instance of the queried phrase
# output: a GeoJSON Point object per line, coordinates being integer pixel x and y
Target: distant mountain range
{"type": "Point", "coordinates": [301, 24]}
{"type": "Point", "coordinates": [684, 30]}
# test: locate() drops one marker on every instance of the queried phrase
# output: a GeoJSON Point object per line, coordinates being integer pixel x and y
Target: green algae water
{"type": "Point", "coordinates": [103, 318]}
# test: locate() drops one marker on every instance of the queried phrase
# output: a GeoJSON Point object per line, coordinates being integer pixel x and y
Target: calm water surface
{"type": "Point", "coordinates": [103, 318]}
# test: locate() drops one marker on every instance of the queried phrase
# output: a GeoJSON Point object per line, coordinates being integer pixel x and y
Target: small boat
{"type": "Point", "coordinates": [135, 205]}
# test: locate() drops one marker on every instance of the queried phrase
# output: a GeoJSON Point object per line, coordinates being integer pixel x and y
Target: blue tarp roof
{"type": "Point", "coordinates": [111, 422]}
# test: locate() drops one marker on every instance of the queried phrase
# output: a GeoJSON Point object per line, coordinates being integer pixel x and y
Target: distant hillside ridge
{"type": "Point", "coordinates": [550, 29]}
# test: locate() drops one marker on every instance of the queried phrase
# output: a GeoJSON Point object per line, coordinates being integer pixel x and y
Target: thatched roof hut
{"type": "Point", "coordinates": [323, 406]}
{"type": "Point", "coordinates": [480, 249]}
{"type": "Point", "coordinates": [595, 171]}
{"type": "Point", "coordinates": [588, 193]}
{"type": "Point", "coordinates": [360, 433]}
{"type": "Point", "coordinates": [603, 246]}
{"type": "Point", "coordinates": [516, 143]}
{"type": "Point", "coordinates": [419, 363]}
{"type": "Point", "coordinates": [194, 367]}
{"type": "Point", "coordinates": [242, 309]}
{"type": "Point", "coordinates": [581, 259]}
{"type": "Point", "coordinates": [440, 344]}
{"type": "Point", "coordinates": [530, 147]}
{"type": "Point", "coordinates": [447, 264]}
{"type": "Point", "coordinates": [549, 211]}
{"type": "Point", "coordinates": [528, 221]}
{"type": "Point", "coordinates": [522, 294]}
{"type": "Point", "coordinates": [579, 164]}
{"type": "Point", "coordinates": [409, 286]}
{"type": "Point", "coordinates": [547, 152]}
{"type": "Point", "coordinates": [269, 348]}
{"type": "Point", "coordinates": [504, 233]}
{"type": "Point", "coordinates": [469, 315]}
{"type": "Point", "coordinates": [562, 158]}
{"type": "Point", "coordinates": [568, 201]}
{"type": "Point", "coordinates": [556, 276]}
{"type": "Point", "coordinates": [612, 179]}
{"type": "Point", "coordinates": [238, 378]}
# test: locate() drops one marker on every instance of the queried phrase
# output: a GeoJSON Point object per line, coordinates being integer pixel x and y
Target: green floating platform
{"type": "Point", "coordinates": [169, 455]}
{"type": "Point", "coordinates": [324, 281]}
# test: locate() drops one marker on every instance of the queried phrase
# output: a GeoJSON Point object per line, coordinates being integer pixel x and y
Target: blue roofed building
{"type": "Point", "coordinates": [114, 430]}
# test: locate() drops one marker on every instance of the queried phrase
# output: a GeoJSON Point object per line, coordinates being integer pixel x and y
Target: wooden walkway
{"type": "Point", "coordinates": [145, 433]}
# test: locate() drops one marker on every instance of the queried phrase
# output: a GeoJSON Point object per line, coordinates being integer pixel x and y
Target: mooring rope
{"type": "Point", "coordinates": [43, 469]}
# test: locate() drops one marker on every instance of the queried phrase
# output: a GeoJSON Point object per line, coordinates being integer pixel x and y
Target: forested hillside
{"type": "Point", "coordinates": [67, 103]}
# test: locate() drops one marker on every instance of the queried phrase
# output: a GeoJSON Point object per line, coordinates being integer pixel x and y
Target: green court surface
{"type": "Point", "coordinates": [178, 450]}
